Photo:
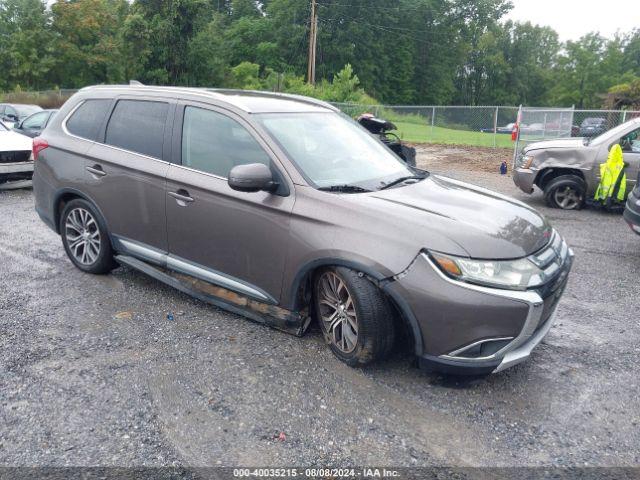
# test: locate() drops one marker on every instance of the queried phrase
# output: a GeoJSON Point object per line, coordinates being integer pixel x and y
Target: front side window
{"type": "Point", "coordinates": [215, 143]}
{"type": "Point", "coordinates": [631, 142]}
{"type": "Point", "coordinates": [35, 121]}
{"type": "Point", "coordinates": [331, 150]}
{"type": "Point", "coordinates": [138, 126]}
{"type": "Point", "coordinates": [86, 121]}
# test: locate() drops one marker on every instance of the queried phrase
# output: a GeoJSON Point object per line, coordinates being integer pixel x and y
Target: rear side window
{"type": "Point", "coordinates": [138, 125]}
{"type": "Point", "coordinates": [214, 143]}
{"type": "Point", "coordinates": [86, 121]}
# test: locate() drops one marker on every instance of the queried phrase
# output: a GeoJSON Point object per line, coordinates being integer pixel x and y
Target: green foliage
{"type": "Point", "coordinates": [26, 51]}
{"type": "Point", "coordinates": [343, 88]}
{"type": "Point", "coordinates": [404, 51]}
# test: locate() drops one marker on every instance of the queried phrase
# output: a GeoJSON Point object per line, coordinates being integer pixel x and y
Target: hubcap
{"type": "Point", "coordinates": [567, 198]}
{"type": "Point", "coordinates": [338, 313]}
{"type": "Point", "coordinates": [83, 236]}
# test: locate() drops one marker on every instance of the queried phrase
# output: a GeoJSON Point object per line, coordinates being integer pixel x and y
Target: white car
{"type": "Point", "coordinates": [16, 160]}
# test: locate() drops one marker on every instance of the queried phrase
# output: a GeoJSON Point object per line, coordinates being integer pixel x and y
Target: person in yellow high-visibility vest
{"type": "Point", "coordinates": [613, 179]}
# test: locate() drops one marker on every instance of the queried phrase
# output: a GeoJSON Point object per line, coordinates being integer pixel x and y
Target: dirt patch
{"type": "Point", "coordinates": [461, 157]}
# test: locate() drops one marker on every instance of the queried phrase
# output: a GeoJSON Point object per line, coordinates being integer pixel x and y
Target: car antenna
{"type": "Point", "coordinates": [136, 83]}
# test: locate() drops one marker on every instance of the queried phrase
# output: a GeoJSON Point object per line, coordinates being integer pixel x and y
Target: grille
{"type": "Point", "coordinates": [555, 261]}
{"type": "Point", "coordinates": [15, 156]}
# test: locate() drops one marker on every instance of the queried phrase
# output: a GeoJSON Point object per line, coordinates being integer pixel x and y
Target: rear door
{"type": "Point", "coordinates": [236, 240]}
{"type": "Point", "coordinates": [125, 173]}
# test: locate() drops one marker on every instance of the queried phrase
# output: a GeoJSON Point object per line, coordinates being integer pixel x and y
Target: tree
{"type": "Point", "coordinates": [87, 41]}
{"type": "Point", "coordinates": [26, 44]}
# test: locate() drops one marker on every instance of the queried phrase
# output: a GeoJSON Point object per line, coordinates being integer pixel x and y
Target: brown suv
{"type": "Point", "coordinates": [284, 210]}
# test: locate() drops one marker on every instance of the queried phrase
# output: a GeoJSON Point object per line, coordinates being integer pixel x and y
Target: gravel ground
{"type": "Point", "coordinates": [93, 372]}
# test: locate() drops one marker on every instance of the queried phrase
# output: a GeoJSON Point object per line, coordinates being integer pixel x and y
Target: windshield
{"type": "Point", "coordinates": [26, 110]}
{"type": "Point", "coordinates": [617, 131]}
{"type": "Point", "coordinates": [331, 150]}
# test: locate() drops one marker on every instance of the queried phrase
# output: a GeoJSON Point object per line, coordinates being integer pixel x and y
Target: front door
{"type": "Point", "coordinates": [125, 174]}
{"type": "Point", "coordinates": [233, 239]}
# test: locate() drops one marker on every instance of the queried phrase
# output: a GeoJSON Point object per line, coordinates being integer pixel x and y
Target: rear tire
{"type": "Point", "coordinates": [355, 317]}
{"type": "Point", "coordinates": [567, 192]}
{"type": "Point", "coordinates": [85, 238]}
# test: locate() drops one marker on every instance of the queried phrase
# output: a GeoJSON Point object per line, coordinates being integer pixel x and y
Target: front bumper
{"type": "Point", "coordinates": [632, 211]}
{"type": "Point", "coordinates": [456, 318]}
{"type": "Point", "coordinates": [524, 178]}
{"type": "Point", "coordinates": [18, 167]}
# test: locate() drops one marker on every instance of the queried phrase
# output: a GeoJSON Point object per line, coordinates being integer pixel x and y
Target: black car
{"type": "Point", "coordinates": [34, 124]}
{"type": "Point", "coordinates": [632, 211]}
{"type": "Point", "coordinates": [593, 126]}
{"type": "Point", "coordinates": [13, 113]}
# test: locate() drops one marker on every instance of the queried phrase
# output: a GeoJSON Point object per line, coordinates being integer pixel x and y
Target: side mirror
{"type": "Point", "coordinates": [253, 177]}
{"type": "Point", "coordinates": [12, 117]}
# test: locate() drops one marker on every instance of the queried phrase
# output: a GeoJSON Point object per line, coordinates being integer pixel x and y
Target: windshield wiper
{"type": "Point", "coordinates": [403, 179]}
{"type": "Point", "coordinates": [344, 189]}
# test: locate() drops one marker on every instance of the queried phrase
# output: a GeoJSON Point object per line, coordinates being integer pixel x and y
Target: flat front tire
{"type": "Point", "coordinates": [355, 317]}
{"type": "Point", "coordinates": [85, 237]}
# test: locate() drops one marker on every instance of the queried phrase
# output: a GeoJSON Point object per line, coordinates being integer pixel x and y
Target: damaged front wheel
{"type": "Point", "coordinates": [354, 315]}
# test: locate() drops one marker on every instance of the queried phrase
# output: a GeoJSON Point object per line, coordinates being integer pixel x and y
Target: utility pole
{"type": "Point", "coordinates": [313, 40]}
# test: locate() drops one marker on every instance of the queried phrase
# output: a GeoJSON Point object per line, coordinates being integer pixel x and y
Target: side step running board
{"type": "Point", "coordinates": [294, 323]}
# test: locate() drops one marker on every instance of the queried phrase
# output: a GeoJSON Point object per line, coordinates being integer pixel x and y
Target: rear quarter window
{"type": "Point", "coordinates": [86, 121]}
{"type": "Point", "coordinates": [138, 126]}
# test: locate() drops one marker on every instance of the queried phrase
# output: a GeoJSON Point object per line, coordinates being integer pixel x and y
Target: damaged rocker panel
{"type": "Point", "coordinates": [288, 321]}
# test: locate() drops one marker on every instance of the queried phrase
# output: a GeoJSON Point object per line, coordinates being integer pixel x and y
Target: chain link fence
{"type": "Point", "coordinates": [484, 126]}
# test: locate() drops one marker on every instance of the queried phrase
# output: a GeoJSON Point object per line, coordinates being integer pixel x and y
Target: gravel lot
{"type": "Point", "coordinates": [93, 372]}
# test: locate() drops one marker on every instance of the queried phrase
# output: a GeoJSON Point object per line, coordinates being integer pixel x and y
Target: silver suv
{"type": "Point", "coordinates": [284, 210]}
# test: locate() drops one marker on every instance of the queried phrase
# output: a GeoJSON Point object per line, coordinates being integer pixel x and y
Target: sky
{"type": "Point", "coordinates": [573, 18]}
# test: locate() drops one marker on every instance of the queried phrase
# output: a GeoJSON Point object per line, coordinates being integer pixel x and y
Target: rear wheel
{"type": "Point", "coordinates": [567, 192]}
{"type": "Point", "coordinates": [85, 238]}
{"type": "Point", "coordinates": [355, 317]}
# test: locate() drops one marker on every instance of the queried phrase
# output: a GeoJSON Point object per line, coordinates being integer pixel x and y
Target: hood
{"type": "Point", "coordinates": [12, 141]}
{"type": "Point", "coordinates": [483, 223]}
{"type": "Point", "coordinates": [574, 143]}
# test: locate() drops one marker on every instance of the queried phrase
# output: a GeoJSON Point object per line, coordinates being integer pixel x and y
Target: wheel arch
{"type": "Point", "coordinates": [548, 174]}
{"type": "Point", "coordinates": [299, 295]}
{"type": "Point", "coordinates": [63, 197]}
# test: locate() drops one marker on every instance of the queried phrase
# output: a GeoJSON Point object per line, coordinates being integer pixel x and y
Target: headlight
{"type": "Point", "coordinates": [526, 161]}
{"type": "Point", "coordinates": [512, 274]}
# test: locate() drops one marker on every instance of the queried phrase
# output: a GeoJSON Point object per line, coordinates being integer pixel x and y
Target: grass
{"type": "Point", "coordinates": [422, 133]}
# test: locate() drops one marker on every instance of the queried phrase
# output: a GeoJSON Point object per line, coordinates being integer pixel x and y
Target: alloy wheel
{"type": "Point", "coordinates": [338, 313]}
{"type": "Point", "coordinates": [567, 198]}
{"type": "Point", "coordinates": [83, 236]}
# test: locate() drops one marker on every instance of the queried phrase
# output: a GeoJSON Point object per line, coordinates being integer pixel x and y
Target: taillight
{"type": "Point", "coordinates": [39, 144]}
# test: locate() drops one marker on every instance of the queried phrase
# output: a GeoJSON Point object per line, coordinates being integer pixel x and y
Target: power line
{"type": "Point", "coordinates": [387, 29]}
{"type": "Point", "coordinates": [399, 8]}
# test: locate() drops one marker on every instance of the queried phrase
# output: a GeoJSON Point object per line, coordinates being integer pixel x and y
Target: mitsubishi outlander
{"type": "Point", "coordinates": [282, 209]}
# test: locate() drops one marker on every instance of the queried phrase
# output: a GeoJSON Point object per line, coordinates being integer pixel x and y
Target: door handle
{"type": "Point", "coordinates": [182, 197]}
{"type": "Point", "coordinates": [96, 170]}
